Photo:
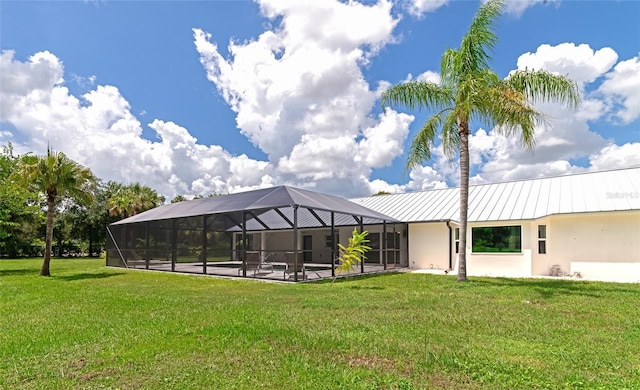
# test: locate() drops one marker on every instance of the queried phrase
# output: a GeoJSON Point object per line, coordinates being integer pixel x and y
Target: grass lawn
{"type": "Point", "coordinates": [93, 327]}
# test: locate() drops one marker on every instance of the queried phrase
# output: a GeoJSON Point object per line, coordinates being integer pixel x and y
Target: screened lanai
{"type": "Point", "coordinates": [281, 233]}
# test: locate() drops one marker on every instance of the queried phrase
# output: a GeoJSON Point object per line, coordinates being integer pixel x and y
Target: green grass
{"type": "Point", "coordinates": [93, 327]}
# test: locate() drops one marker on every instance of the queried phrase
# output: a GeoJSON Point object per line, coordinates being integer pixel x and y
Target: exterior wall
{"type": "Point", "coordinates": [600, 246]}
{"type": "Point", "coordinates": [280, 242]}
{"type": "Point", "coordinates": [429, 245]}
{"type": "Point", "coordinates": [604, 246]}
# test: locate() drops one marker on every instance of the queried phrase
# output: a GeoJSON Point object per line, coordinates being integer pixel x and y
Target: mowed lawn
{"type": "Point", "coordinates": [89, 326]}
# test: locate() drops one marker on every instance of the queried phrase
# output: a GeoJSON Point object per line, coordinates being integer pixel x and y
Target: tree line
{"type": "Point", "coordinates": [53, 198]}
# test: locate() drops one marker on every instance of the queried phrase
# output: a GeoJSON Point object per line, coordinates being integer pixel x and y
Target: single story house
{"type": "Point", "coordinates": [582, 225]}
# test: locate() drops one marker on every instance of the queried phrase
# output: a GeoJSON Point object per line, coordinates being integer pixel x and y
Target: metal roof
{"type": "Point", "coordinates": [614, 190]}
{"type": "Point", "coordinates": [263, 203]}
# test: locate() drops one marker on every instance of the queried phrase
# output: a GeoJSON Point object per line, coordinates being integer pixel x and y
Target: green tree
{"type": "Point", "coordinates": [470, 90]}
{"type": "Point", "coordinates": [179, 198]}
{"type": "Point", "coordinates": [132, 199]}
{"type": "Point", "coordinates": [56, 176]}
{"type": "Point", "coordinates": [19, 209]}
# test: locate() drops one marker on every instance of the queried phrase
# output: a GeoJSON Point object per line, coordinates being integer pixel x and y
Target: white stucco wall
{"type": "Point", "coordinates": [600, 246]}
{"type": "Point", "coordinates": [603, 246]}
{"type": "Point", "coordinates": [500, 264]}
{"type": "Point", "coordinates": [429, 245]}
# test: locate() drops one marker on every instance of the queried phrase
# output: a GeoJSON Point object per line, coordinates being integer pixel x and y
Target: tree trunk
{"type": "Point", "coordinates": [463, 130]}
{"type": "Point", "coordinates": [44, 271]}
{"type": "Point", "coordinates": [90, 241]}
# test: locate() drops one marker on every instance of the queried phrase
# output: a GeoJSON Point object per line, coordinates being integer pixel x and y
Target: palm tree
{"type": "Point", "coordinates": [470, 90]}
{"type": "Point", "coordinates": [133, 199]}
{"type": "Point", "coordinates": [56, 176]}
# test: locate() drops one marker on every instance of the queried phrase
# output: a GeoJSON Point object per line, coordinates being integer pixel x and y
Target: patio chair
{"type": "Point", "coordinates": [291, 267]}
{"type": "Point", "coordinates": [255, 264]}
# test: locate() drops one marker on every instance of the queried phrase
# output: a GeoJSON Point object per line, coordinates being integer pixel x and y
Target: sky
{"type": "Point", "coordinates": [201, 97]}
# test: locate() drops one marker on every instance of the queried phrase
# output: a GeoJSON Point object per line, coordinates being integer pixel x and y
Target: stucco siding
{"type": "Point", "coordinates": [602, 246]}
{"type": "Point", "coordinates": [429, 245]}
{"type": "Point", "coordinates": [506, 265]}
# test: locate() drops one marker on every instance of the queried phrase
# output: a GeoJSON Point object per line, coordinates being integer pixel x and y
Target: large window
{"type": "Point", "coordinates": [496, 239]}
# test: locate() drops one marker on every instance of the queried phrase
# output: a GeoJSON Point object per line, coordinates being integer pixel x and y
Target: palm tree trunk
{"type": "Point", "coordinates": [44, 271]}
{"type": "Point", "coordinates": [463, 129]}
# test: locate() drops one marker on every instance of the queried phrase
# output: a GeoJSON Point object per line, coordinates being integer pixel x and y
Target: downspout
{"type": "Point", "coordinates": [450, 246]}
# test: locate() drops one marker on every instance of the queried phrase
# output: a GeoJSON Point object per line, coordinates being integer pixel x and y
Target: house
{"type": "Point", "coordinates": [583, 225]}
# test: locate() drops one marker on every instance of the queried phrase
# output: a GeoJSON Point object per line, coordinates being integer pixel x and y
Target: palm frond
{"type": "Point", "coordinates": [512, 114]}
{"type": "Point", "coordinates": [417, 95]}
{"type": "Point", "coordinates": [424, 140]}
{"type": "Point", "coordinates": [480, 39]}
{"type": "Point", "coordinates": [450, 136]}
{"type": "Point", "coordinates": [543, 86]}
{"type": "Point", "coordinates": [448, 70]}
{"type": "Point", "coordinates": [352, 254]}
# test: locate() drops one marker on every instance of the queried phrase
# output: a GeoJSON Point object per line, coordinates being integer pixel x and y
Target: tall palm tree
{"type": "Point", "coordinates": [56, 176]}
{"type": "Point", "coordinates": [470, 90]}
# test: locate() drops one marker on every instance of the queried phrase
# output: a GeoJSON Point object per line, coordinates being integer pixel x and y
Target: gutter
{"type": "Point", "coordinates": [450, 245]}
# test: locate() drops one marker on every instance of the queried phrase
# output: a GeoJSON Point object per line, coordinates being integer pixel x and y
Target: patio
{"type": "Point", "coordinates": [277, 233]}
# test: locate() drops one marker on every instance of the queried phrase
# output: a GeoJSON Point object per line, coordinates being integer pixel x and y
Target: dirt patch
{"type": "Point", "coordinates": [372, 362]}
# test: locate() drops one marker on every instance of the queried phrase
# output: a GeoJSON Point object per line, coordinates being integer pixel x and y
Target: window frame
{"type": "Point", "coordinates": [500, 250]}
{"type": "Point", "coordinates": [542, 239]}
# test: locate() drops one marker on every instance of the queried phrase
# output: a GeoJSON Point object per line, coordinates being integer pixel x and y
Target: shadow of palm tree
{"type": "Point", "coordinates": [548, 288]}
{"type": "Point", "coordinates": [86, 275]}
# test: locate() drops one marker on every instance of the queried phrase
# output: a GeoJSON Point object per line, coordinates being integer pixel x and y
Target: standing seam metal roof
{"type": "Point", "coordinates": [615, 190]}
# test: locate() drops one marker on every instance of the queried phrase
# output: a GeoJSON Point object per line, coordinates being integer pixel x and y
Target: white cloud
{"type": "Point", "coordinates": [622, 90]}
{"type": "Point", "coordinates": [426, 178]}
{"type": "Point", "coordinates": [376, 186]}
{"type": "Point", "coordinates": [99, 131]}
{"type": "Point", "coordinates": [300, 95]}
{"type": "Point", "coordinates": [418, 8]}
{"type": "Point", "coordinates": [567, 136]}
{"type": "Point", "coordinates": [581, 63]}
{"type": "Point", "coordinates": [517, 7]}
{"type": "Point", "coordinates": [298, 91]}
{"type": "Point", "coordinates": [615, 156]}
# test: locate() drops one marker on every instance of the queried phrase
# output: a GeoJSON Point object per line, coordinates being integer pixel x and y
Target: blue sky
{"type": "Point", "coordinates": [153, 91]}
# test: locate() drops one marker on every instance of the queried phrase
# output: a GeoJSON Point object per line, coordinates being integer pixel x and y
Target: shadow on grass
{"type": "Point", "coordinates": [355, 277]}
{"type": "Point", "coordinates": [13, 272]}
{"type": "Point", "coordinates": [548, 288]}
{"type": "Point", "coordinates": [366, 287]}
{"type": "Point", "coordinates": [86, 275]}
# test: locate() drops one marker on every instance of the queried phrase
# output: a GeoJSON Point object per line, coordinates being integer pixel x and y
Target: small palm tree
{"type": "Point", "coordinates": [351, 255]}
{"type": "Point", "coordinates": [56, 176]}
{"type": "Point", "coordinates": [470, 90]}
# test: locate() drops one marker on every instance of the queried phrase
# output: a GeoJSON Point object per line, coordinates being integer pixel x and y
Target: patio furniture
{"type": "Point", "coordinates": [254, 263]}
{"type": "Point", "coordinates": [291, 266]}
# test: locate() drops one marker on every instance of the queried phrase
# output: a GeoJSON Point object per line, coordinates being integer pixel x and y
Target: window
{"type": "Point", "coordinates": [457, 237]}
{"type": "Point", "coordinates": [501, 239]}
{"type": "Point", "coordinates": [328, 242]}
{"type": "Point", "coordinates": [542, 239]}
